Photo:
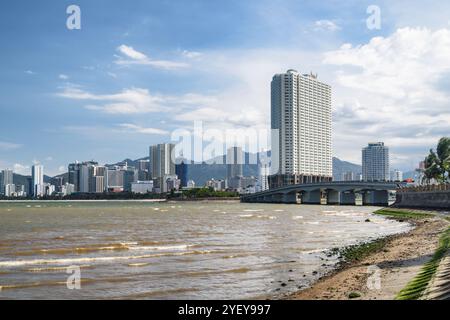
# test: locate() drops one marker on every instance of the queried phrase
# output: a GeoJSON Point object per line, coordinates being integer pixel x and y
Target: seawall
{"type": "Point", "coordinates": [424, 199]}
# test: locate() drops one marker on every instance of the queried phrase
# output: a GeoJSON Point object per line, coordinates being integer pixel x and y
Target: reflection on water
{"type": "Point", "coordinates": [144, 250]}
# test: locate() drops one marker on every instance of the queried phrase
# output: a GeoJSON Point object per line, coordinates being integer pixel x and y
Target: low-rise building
{"type": "Point", "coordinates": [142, 187]}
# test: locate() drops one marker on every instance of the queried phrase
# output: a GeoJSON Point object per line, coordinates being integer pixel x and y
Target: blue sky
{"type": "Point", "coordinates": [137, 70]}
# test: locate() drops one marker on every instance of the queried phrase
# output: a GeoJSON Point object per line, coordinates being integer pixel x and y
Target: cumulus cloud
{"type": "Point", "coordinates": [63, 77]}
{"type": "Point", "coordinates": [128, 101]}
{"type": "Point", "coordinates": [131, 53]}
{"type": "Point", "coordinates": [393, 89]}
{"type": "Point", "coordinates": [327, 25]}
{"type": "Point", "coordinates": [143, 130]}
{"type": "Point", "coordinates": [135, 100]}
{"type": "Point", "coordinates": [130, 56]}
{"type": "Point", "coordinates": [21, 169]}
{"type": "Point", "coordinates": [191, 54]}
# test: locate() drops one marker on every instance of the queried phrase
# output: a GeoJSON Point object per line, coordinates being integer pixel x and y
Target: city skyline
{"type": "Point", "coordinates": [157, 71]}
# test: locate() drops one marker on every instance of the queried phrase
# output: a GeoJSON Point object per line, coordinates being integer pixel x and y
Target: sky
{"type": "Point", "coordinates": [138, 70]}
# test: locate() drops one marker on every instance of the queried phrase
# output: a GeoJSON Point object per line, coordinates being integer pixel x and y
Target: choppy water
{"type": "Point", "coordinates": [142, 250]}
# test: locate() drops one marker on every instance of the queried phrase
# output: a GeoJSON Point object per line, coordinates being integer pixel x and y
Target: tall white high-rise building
{"type": "Point", "coordinates": [301, 129]}
{"type": "Point", "coordinates": [264, 172]}
{"type": "Point", "coordinates": [375, 162]}
{"type": "Point", "coordinates": [162, 165]}
{"type": "Point", "coordinates": [37, 176]}
{"type": "Point", "coordinates": [7, 179]}
{"type": "Point", "coordinates": [235, 161]}
{"type": "Point", "coordinates": [161, 162]}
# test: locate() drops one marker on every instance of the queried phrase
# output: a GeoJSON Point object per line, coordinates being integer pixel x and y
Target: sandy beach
{"type": "Point", "coordinates": [399, 261]}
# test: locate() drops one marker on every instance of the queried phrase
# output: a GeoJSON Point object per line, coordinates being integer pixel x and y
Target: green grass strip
{"type": "Point", "coordinates": [357, 252]}
{"type": "Point", "coordinates": [416, 287]}
{"type": "Point", "coordinates": [398, 214]}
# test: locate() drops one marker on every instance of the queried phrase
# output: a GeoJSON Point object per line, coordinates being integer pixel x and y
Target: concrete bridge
{"type": "Point", "coordinates": [336, 193]}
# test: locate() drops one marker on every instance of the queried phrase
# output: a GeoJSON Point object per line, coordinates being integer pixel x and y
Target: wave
{"type": "Point", "coordinates": [257, 216]}
{"type": "Point", "coordinates": [86, 260]}
{"type": "Point", "coordinates": [150, 294]}
{"type": "Point", "coordinates": [51, 269]}
{"type": "Point", "coordinates": [144, 264]}
{"type": "Point", "coordinates": [123, 246]}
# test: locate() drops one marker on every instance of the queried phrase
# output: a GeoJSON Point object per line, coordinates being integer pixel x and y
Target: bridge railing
{"type": "Point", "coordinates": [426, 188]}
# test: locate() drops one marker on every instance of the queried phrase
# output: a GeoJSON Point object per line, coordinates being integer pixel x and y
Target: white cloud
{"type": "Point", "coordinates": [128, 101]}
{"type": "Point", "coordinates": [398, 91]}
{"type": "Point", "coordinates": [63, 77]}
{"type": "Point", "coordinates": [131, 53]}
{"type": "Point", "coordinates": [191, 54]}
{"type": "Point", "coordinates": [6, 146]}
{"type": "Point", "coordinates": [135, 101]}
{"type": "Point", "coordinates": [134, 57]}
{"type": "Point", "coordinates": [144, 130]}
{"type": "Point", "coordinates": [30, 72]}
{"type": "Point", "coordinates": [21, 169]}
{"type": "Point", "coordinates": [327, 25]}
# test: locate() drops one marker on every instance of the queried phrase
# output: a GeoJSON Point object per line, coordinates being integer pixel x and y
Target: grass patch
{"type": "Point", "coordinates": [358, 252]}
{"type": "Point", "coordinates": [398, 214]}
{"type": "Point", "coordinates": [416, 287]}
{"type": "Point", "coordinates": [354, 295]}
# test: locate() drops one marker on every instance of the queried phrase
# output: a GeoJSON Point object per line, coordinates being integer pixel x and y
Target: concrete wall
{"type": "Point", "coordinates": [433, 199]}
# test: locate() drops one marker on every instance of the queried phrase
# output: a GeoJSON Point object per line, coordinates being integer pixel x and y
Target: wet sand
{"type": "Point", "coordinates": [399, 261]}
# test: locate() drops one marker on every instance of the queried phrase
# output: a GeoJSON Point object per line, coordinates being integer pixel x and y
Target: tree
{"type": "Point", "coordinates": [443, 153]}
{"type": "Point", "coordinates": [437, 164]}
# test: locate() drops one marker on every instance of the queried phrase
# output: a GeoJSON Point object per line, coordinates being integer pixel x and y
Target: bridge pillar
{"type": "Point", "coordinates": [323, 197]}
{"type": "Point", "coordinates": [290, 197]}
{"type": "Point", "coordinates": [380, 198]}
{"type": "Point", "coordinates": [277, 198]}
{"type": "Point", "coordinates": [376, 198]}
{"type": "Point", "coordinates": [312, 197]}
{"type": "Point", "coordinates": [359, 198]}
{"type": "Point", "coordinates": [300, 196]}
{"type": "Point", "coordinates": [348, 198]}
{"type": "Point", "coordinates": [333, 197]}
{"type": "Point", "coordinates": [367, 198]}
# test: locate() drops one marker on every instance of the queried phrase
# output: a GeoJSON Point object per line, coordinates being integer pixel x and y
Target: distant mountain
{"type": "Point", "coordinates": [216, 168]}
{"type": "Point", "coordinates": [203, 172]}
{"type": "Point", "coordinates": [21, 180]}
{"type": "Point", "coordinates": [340, 167]}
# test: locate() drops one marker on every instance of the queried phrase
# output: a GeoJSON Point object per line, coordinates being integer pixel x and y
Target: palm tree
{"type": "Point", "coordinates": [437, 164]}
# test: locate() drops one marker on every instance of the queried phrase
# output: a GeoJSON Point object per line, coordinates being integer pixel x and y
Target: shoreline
{"type": "Point", "coordinates": [121, 200]}
{"type": "Point", "coordinates": [395, 264]}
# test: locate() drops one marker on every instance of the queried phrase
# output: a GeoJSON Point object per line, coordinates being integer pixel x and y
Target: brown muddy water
{"type": "Point", "coordinates": [193, 250]}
